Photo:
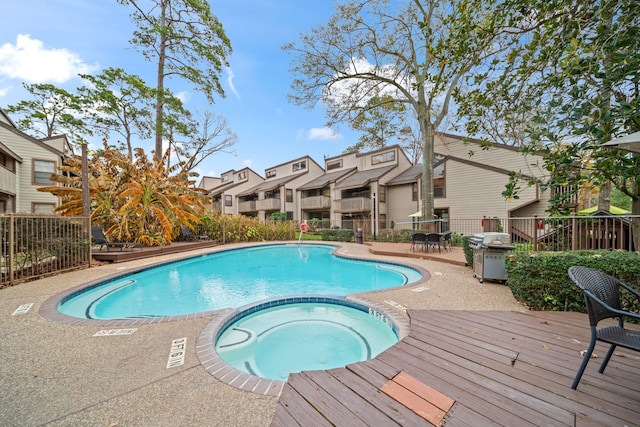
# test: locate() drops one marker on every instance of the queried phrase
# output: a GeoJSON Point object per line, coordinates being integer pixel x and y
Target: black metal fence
{"type": "Point", "coordinates": [34, 245]}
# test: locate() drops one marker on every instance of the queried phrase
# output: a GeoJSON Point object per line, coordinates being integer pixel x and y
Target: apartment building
{"type": "Point", "coordinates": [232, 183]}
{"type": "Point", "coordinates": [368, 190]}
{"type": "Point", "coordinates": [276, 193]}
{"type": "Point", "coordinates": [26, 163]}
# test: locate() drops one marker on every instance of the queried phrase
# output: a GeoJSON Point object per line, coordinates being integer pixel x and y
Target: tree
{"type": "Point", "coordinates": [416, 52]}
{"type": "Point", "coordinates": [141, 200]}
{"type": "Point", "coordinates": [185, 40]}
{"type": "Point", "coordinates": [578, 63]}
{"type": "Point", "coordinates": [120, 102]}
{"type": "Point", "coordinates": [379, 121]}
{"type": "Point", "coordinates": [52, 111]}
{"type": "Point", "coordinates": [212, 137]}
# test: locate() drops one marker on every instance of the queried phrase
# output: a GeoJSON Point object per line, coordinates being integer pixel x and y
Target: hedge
{"type": "Point", "coordinates": [540, 279]}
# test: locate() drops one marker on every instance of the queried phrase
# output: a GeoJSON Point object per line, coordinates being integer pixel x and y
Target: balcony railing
{"type": "Point", "coordinates": [249, 206]}
{"type": "Point", "coordinates": [269, 204]}
{"type": "Point", "coordinates": [7, 181]}
{"type": "Point", "coordinates": [354, 204]}
{"type": "Point", "coordinates": [316, 202]}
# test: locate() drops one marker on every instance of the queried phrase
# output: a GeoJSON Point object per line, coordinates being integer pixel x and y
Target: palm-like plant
{"type": "Point", "coordinates": [141, 200]}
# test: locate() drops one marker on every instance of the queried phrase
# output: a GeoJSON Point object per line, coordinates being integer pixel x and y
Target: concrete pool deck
{"type": "Point", "coordinates": [63, 375]}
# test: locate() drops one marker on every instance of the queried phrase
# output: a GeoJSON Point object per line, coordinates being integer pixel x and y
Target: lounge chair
{"type": "Point", "coordinates": [185, 233]}
{"type": "Point", "coordinates": [99, 238]}
{"type": "Point", "coordinates": [602, 297]}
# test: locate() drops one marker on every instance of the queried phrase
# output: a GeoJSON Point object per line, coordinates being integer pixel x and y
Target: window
{"type": "Point", "coordinates": [382, 194]}
{"type": "Point", "coordinates": [389, 156]}
{"type": "Point", "coordinates": [42, 170]}
{"type": "Point", "coordinates": [289, 195]}
{"type": "Point", "coordinates": [271, 174]}
{"type": "Point", "coordinates": [414, 192]}
{"type": "Point", "coordinates": [334, 165]}
{"type": "Point", "coordinates": [242, 175]}
{"type": "Point", "coordinates": [225, 178]}
{"type": "Point", "coordinates": [42, 208]}
{"type": "Point", "coordinates": [299, 166]}
{"type": "Point", "coordinates": [228, 200]}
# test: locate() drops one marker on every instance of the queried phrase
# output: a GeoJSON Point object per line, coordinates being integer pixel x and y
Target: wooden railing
{"type": "Point", "coordinates": [316, 202]}
{"type": "Point", "coordinates": [354, 204]}
{"type": "Point", "coordinates": [569, 233]}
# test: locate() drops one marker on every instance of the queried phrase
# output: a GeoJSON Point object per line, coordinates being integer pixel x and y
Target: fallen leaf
{"type": "Point", "coordinates": [546, 347]}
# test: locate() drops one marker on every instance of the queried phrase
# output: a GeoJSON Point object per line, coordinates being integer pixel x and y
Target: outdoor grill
{"type": "Point", "coordinates": [489, 251]}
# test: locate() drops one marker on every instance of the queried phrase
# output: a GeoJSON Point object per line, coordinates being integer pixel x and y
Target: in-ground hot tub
{"type": "Point", "coordinates": [273, 339]}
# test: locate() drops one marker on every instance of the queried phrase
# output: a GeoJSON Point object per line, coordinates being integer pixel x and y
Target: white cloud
{"type": "Point", "coordinates": [230, 77]}
{"type": "Point", "coordinates": [324, 133]}
{"type": "Point", "coordinates": [247, 163]}
{"type": "Point", "coordinates": [29, 61]}
{"type": "Point", "coordinates": [184, 97]}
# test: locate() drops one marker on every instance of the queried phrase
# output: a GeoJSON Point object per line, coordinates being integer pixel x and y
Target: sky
{"type": "Point", "coordinates": [53, 41]}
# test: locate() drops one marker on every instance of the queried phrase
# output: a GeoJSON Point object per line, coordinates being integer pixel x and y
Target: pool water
{"type": "Point", "coordinates": [233, 278]}
{"type": "Point", "coordinates": [274, 342]}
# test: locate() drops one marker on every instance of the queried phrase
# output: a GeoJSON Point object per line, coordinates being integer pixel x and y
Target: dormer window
{"type": "Point", "coordinates": [242, 175]}
{"type": "Point", "coordinates": [225, 178]}
{"type": "Point", "coordinates": [271, 173]}
{"type": "Point", "coordinates": [389, 156]}
{"type": "Point", "coordinates": [334, 165]}
{"type": "Point", "coordinates": [299, 166]}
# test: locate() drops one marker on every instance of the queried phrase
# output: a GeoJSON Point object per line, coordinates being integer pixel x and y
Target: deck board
{"type": "Point", "coordinates": [500, 368]}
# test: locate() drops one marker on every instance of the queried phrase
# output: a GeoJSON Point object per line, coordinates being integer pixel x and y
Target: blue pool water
{"type": "Point", "coordinates": [276, 341]}
{"type": "Point", "coordinates": [234, 278]}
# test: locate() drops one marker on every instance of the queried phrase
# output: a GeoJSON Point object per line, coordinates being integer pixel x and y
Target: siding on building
{"type": "Point", "coordinates": [30, 149]}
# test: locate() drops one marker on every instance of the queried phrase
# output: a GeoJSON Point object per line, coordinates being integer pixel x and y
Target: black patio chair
{"type": "Point", "coordinates": [185, 234]}
{"type": "Point", "coordinates": [602, 297]}
{"type": "Point", "coordinates": [418, 239]}
{"type": "Point", "coordinates": [445, 240]}
{"type": "Point", "coordinates": [99, 238]}
{"type": "Point", "coordinates": [433, 240]}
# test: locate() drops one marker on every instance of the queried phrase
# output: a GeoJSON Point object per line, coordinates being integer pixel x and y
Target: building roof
{"type": "Point", "coordinates": [408, 176]}
{"type": "Point", "coordinates": [10, 153]}
{"type": "Point", "coordinates": [362, 178]}
{"type": "Point", "coordinates": [325, 179]}
{"type": "Point", "coordinates": [269, 184]}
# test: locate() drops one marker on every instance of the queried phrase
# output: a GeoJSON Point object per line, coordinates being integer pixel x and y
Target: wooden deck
{"type": "Point", "coordinates": [498, 368]}
{"type": "Point", "coordinates": [129, 254]}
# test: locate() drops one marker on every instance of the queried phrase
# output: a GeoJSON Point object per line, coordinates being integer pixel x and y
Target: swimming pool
{"type": "Point", "coordinates": [233, 278]}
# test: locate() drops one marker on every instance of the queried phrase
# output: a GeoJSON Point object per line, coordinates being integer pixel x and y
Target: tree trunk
{"type": "Point", "coordinates": [160, 85]}
{"type": "Point", "coordinates": [427, 131]}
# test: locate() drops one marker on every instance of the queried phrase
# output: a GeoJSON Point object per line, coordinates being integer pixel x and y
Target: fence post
{"type": "Point", "coordinates": [11, 251]}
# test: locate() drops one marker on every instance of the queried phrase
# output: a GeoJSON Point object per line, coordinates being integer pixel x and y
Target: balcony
{"type": "Point", "coordinates": [316, 202]}
{"type": "Point", "coordinates": [269, 205]}
{"type": "Point", "coordinates": [249, 206]}
{"type": "Point", "coordinates": [354, 204]}
{"type": "Point", "coordinates": [7, 181]}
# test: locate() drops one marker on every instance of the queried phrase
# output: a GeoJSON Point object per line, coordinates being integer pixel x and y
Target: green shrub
{"type": "Point", "coordinates": [468, 252]}
{"type": "Point", "coordinates": [337, 235]}
{"type": "Point", "coordinates": [540, 279]}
